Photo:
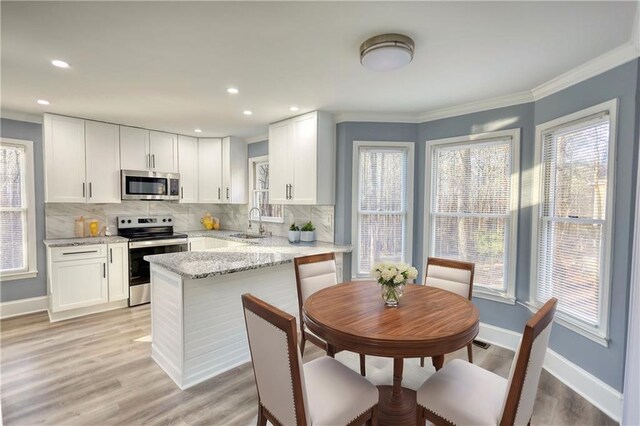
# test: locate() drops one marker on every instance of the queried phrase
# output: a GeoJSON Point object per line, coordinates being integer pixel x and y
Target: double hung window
{"type": "Point", "coordinates": [572, 221]}
{"type": "Point", "coordinates": [473, 207]}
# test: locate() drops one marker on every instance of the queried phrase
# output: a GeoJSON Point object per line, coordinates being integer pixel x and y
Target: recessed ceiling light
{"type": "Point", "coordinates": [232, 90]}
{"type": "Point", "coordinates": [247, 112]}
{"type": "Point", "coordinates": [43, 102]}
{"type": "Point", "coordinates": [60, 64]}
{"type": "Point", "coordinates": [293, 108]}
{"type": "Point", "coordinates": [197, 130]}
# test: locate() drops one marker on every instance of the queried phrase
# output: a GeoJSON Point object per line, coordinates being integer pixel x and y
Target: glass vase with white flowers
{"type": "Point", "coordinates": [392, 278]}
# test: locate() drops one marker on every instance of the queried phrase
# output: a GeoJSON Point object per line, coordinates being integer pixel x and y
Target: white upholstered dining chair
{"type": "Point", "coordinates": [462, 393]}
{"type": "Point", "coordinates": [320, 392]}
{"type": "Point", "coordinates": [313, 273]}
{"type": "Point", "coordinates": [454, 276]}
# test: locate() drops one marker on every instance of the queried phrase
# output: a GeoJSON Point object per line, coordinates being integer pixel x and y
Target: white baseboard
{"type": "Point", "coordinates": [594, 390]}
{"type": "Point", "coordinates": [23, 306]}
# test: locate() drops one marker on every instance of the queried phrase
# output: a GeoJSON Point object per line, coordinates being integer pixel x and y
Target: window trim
{"type": "Point", "coordinates": [598, 334]}
{"type": "Point", "coordinates": [32, 251]}
{"type": "Point", "coordinates": [252, 164]}
{"type": "Point", "coordinates": [508, 296]}
{"type": "Point", "coordinates": [410, 146]}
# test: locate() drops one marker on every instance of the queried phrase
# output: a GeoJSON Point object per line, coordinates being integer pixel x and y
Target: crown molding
{"type": "Point", "coordinates": [257, 138]}
{"type": "Point", "coordinates": [613, 58]}
{"type": "Point", "coordinates": [376, 117]}
{"type": "Point", "coordinates": [478, 106]}
{"type": "Point", "coordinates": [21, 116]}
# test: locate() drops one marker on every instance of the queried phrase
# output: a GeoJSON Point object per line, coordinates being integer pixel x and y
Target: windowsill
{"type": "Point", "coordinates": [269, 220]}
{"type": "Point", "coordinates": [562, 319]}
{"type": "Point", "coordinates": [494, 297]}
{"type": "Point", "coordinates": [18, 275]}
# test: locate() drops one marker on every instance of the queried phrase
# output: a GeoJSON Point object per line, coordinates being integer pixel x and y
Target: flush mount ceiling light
{"type": "Point", "coordinates": [293, 108]}
{"type": "Point", "coordinates": [386, 52]}
{"type": "Point", "coordinates": [197, 130]}
{"type": "Point", "coordinates": [247, 112]}
{"type": "Point", "coordinates": [60, 64]}
{"type": "Point", "coordinates": [232, 90]}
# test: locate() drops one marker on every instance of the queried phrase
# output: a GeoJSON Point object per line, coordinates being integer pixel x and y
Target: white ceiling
{"type": "Point", "coordinates": [166, 65]}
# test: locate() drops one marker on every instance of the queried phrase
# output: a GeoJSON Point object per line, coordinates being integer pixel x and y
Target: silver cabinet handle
{"type": "Point", "coordinates": [218, 193]}
{"type": "Point", "coordinates": [227, 193]}
{"type": "Point", "coordinates": [154, 160]}
{"type": "Point", "coordinates": [182, 192]}
{"type": "Point", "coordinates": [90, 190]}
{"type": "Point", "coordinates": [111, 255]}
{"type": "Point", "coordinates": [104, 270]}
{"type": "Point", "coordinates": [286, 192]}
{"type": "Point", "coordinates": [291, 191]}
{"type": "Point", "coordinates": [83, 192]}
{"type": "Point", "coordinates": [79, 252]}
{"type": "Point", "coordinates": [148, 158]}
{"type": "Point", "coordinates": [189, 246]}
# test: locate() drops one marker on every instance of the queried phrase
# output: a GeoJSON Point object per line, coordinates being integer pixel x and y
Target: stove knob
{"type": "Point", "coordinates": [164, 220]}
{"type": "Point", "coordinates": [169, 220]}
{"type": "Point", "coordinates": [122, 221]}
{"type": "Point", "coordinates": [129, 221]}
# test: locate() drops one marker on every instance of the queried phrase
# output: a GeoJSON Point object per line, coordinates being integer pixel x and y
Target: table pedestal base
{"type": "Point", "coordinates": [394, 410]}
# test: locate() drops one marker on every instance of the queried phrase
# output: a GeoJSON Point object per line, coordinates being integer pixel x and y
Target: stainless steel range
{"type": "Point", "coordinates": [147, 235]}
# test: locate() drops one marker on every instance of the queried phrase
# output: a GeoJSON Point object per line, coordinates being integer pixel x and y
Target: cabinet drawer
{"type": "Point", "coordinates": [61, 254]}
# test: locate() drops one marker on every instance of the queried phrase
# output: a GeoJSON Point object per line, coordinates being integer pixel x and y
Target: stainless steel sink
{"type": "Point", "coordinates": [246, 236]}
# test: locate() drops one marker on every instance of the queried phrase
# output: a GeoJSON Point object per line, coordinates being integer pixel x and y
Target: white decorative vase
{"type": "Point", "coordinates": [294, 236]}
{"type": "Point", "coordinates": [307, 236]}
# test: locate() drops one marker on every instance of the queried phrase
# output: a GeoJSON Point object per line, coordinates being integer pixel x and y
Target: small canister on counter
{"type": "Point", "coordinates": [79, 227]}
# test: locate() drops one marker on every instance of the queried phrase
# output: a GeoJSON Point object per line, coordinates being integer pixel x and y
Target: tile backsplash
{"type": "Point", "coordinates": [60, 217]}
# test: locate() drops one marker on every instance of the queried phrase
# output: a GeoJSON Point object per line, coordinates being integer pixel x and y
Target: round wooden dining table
{"type": "Point", "coordinates": [428, 322]}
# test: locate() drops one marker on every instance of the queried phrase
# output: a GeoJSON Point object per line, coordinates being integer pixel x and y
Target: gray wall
{"type": "Point", "coordinates": [623, 83]}
{"type": "Point", "coordinates": [258, 149]}
{"type": "Point", "coordinates": [31, 287]}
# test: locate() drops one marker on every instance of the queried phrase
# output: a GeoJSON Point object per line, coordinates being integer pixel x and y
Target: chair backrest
{"type": "Point", "coordinates": [527, 366]}
{"type": "Point", "coordinates": [277, 364]}
{"type": "Point", "coordinates": [314, 273]}
{"type": "Point", "coordinates": [452, 275]}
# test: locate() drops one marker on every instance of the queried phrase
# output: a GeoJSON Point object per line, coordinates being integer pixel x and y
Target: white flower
{"type": "Point", "coordinates": [387, 274]}
{"type": "Point", "coordinates": [412, 273]}
{"type": "Point", "coordinates": [399, 278]}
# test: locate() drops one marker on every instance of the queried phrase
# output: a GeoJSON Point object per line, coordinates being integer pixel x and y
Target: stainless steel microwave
{"type": "Point", "coordinates": [149, 185]}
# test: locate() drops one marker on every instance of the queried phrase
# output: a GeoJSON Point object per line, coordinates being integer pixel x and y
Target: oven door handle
{"type": "Point", "coordinates": [157, 243]}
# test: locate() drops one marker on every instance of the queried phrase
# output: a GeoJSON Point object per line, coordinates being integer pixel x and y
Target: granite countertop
{"type": "Point", "coordinates": [254, 254]}
{"type": "Point", "coordinates": [70, 242]}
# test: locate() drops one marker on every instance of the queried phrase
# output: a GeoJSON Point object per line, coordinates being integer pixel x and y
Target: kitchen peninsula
{"type": "Point", "coordinates": [197, 321]}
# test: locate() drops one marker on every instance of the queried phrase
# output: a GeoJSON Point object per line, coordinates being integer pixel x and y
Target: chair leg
{"type": "Point", "coordinates": [422, 362]}
{"type": "Point", "coordinates": [302, 342]}
{"type": "Point", "coordinates": [363, 370]}
{"type": "Point", "coordinates": [470, 352]}
{"type": "Point", "coordinates": [262, 419]}
{"type": "Point", "coordinates": [421, 420]}
{"type": "Point", "coordinates": [331, 350]}
{"type": "Point", "coordinates": [374, 415]}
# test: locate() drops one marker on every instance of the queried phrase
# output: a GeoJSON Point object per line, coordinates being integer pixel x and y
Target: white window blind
{"type": "Point", "coordinates": [572, 222]}
{"type": "Point", "coordinates": [13, 210]}
{"type": "Point", "coordinates": [382, 206]}
{"type": "Point", "coordinates": [260, 193]}
{"type": "Point", "coordinates": [474, 208]}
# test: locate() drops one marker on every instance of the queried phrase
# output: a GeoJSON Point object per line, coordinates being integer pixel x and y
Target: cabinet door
{"type": "Point", "coordinates": [304, 149]}
{"type": "Point", "coordinates": [235, 169]}
{"type": "Point", "coordinates": [210, 171]}
{"type": "Point", "coordinates": [103, 162]}
{"type": "Point", "coordinates": [188, 168]}
{"type": "Point", "coordinates": [280, 174]}
{"type": "Point", "coordinates": [197, 243]}
{"type": "Point", "coordinates": [64, 160]}
{"type": "Point", "coordinates": [134, 148]}
{"type": "Point", "coordinates": [118, 257]}
{"type": "Point", "coordinates": [164, 152]}
{"type": "Point", "coordinates": [79, 283]}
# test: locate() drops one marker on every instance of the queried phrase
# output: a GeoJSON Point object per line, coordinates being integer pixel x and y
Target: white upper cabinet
{"type": "Point", "coordinates": [164, 152]}
{"type": "Point", "coordinates": [141, 149]}
{"type": "Point", "coordinates": [234, 170]}
{"type": "Point", "coordinates": [302, 155]}
{"type": "Point", "coordinates": [102, 144]}
{"type": "Point", "coordinates": [134, 148]}
{"type": "Point", "coordinates": [188, 168]}
{"type": "Point", "coordinates": [210, 170]}
{"type": "Point", "coordinates": [64, 160]}
{"type": "Point", "coordinates": [82, 161]}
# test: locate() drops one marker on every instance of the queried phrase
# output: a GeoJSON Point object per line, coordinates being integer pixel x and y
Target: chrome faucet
{"type": "Point", "coordinates": [260, 228]}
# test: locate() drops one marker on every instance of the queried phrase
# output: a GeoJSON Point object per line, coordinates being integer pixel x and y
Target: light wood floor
{"type": "Point", "coordinates": [91, 371]}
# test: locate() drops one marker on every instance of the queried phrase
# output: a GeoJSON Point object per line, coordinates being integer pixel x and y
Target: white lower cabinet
{"type": "Point", "coordinates": [118, 271]}
{"type": "Point", "coordinates": [87, 279]}
{"type": "Point", "coordinates": [80, 281]}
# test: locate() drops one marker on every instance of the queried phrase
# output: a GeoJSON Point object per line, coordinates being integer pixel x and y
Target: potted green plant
{"type": "Point", "coordinates": [294, 233]}
{"type": "Point", "coordinates": [307, 232]}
